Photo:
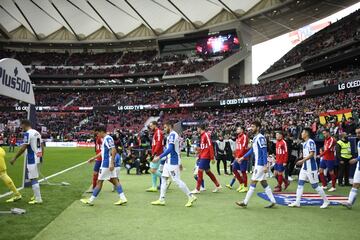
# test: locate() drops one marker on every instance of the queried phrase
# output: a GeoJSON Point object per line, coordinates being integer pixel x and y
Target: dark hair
{"type": "Point", "coordinates": [257, 124]}
{"type": "Point", "coordinates": [326, 130]}
{"type": "Point", "coordinates": [155, 123]}
{"type": "Point", "coordinates": [242, 127]}
{"type": "Point", "coordinates": [170, 124]}
{"type": "Point", "coordinates": [308, 130]}
{"type": "Point", "coordinates": [26, 122]}
{"type": "Point", "coordinates": [100, 128]}
{"type": "Point", "coordinates": [202, 126]}
{"type": "Point", "coordinates": [280, 132]}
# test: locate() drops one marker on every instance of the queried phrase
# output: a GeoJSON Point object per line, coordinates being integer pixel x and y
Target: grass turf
{"type": "Point", "coordinates": [213, 216]}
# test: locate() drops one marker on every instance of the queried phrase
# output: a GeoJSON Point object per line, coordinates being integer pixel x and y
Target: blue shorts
{"type": "Point", "coordinates": [204, 164]}
{"type": "Point", "coordinates": [97, 166]}
{"type": "Point", "coordinates": [327, 164]}
{"type": "Point", "coordinates": [279, 167]}
{"type": "Point", "coordinates": [240, 166]}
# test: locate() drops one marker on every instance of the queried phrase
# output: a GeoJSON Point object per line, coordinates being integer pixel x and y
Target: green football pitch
{"type": "Point", "coordinates": [214, 215]}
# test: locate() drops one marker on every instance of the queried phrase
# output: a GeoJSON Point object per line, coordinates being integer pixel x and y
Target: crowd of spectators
{"type": "Point", "coordinates": [290, 117]}
{"type": "Point", "coordinates": [342, 31]}
{"type": "Point", "coordinates": [187, 94]}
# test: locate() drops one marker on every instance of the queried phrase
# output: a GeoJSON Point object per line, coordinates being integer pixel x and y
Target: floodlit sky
{"type": "Point", "coordinates": [266, 53]}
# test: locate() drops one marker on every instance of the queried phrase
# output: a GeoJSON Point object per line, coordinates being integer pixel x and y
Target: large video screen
{"type": "Point", "coordinates": [217, 44]}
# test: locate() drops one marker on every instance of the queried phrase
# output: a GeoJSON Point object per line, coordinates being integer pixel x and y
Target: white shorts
{"type": "Point", "coordinates": [172, 171]}
{"type": "Point", "coordinates": [357, 174]}
{"type": "Point", "coordinates": [117, 171]}
{"type": "Point", "coordinates": [311, 176]}
{"type": "Point", "coordinates": [259, 174]}
{"type": "Point", "coordinates": [106, 174]}
{"type": "Point", "coordinates": [33, 171]}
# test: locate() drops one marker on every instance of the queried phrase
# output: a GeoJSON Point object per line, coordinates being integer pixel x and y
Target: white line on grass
{"type": "Point", "coordinates": [51, 176]}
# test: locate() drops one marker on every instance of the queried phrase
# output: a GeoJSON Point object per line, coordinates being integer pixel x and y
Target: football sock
{"type": "Point", "coordinates": [244, 178]}
{"type": "Point", "coordinates": [36, 189]}
{"type": "Point", "coordinates": [237, 176]}
{"type": "Point", "coordinates": [270, 194]}
{"type": "Point", "coordinates": [213, 178]}
{"type": "Point", "coordinates": [249, 193]}
{"type": "Point", "coordinates": [299, 193]}
{"type": "Point", "coordinates": [94, 179]}
{"type": "Point", "coordinates": [352, 195]}
{"type": "Point", "coordinates": [321, 192]}
{"type": "Point", "coordinates": [163, 188]}
{"type": "Point", "coordinates": [322, 179]}
{"type": "Point", "coordinates": [333, 180]}
{"type": "Point", "coordinates": [199, 179]}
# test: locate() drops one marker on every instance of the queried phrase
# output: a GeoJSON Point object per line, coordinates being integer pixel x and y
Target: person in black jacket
{"type": "Point", "coordinates": [220, 154]}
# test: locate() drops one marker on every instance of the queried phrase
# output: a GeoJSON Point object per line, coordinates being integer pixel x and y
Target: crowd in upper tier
{"type": "Point", "coordinates": [337, 34]}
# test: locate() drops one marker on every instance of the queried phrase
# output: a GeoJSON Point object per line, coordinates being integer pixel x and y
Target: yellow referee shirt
{"type": "Point", "coordinates": [2, 159]}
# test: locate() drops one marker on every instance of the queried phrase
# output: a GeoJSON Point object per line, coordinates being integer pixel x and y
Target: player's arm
{"type": "Point", "coordinates": [311, 155]}
{"type": "Point", "coordinates": [354, 160]}
{"type": "Point", "coordinates": [265, 156]}
{"type": "Point", "coordinates": [94, 157]}
{"type": "Point", "coordinates": [247, 154]}
{"type": "Point", "coordinates": [286, 154]}
{"type": "Point", "coordinates": [167, 151]}
{"type": "Point", "coordinates": [18, 154]}
{"type": "Point", "coordinates": [112, 159]}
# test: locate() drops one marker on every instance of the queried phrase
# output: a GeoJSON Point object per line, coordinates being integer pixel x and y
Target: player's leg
{"type": "Point", "coordinates": [196, 170]}
{"type": "Point", "coordinates": [215, 181]}
{"type": "Point", "coordinates": [10, 184]}
{"type": "Point", "coordinates": [268, 193]}
{"type": "Point", "coordinates": [236, 172]}
{"type": "Point", "coordinates": [322, 175]}
{"type": "Point", "coordinates": [163, 186]}
{"type": "Point", "coordinates": [300, 189]}
{"type": "Point", "coordinates": [248, 194]}
{"type": "Point", "coordinates": [331, 167]}
{"type": "Point", "coordinates": [243, 168]}
{"type": "Point", "coordinates": [119, 190]}
{"type": "Point", "coordinates": [175, 176]}
{"type": "Point", "coordinates": [314, 180]}
{"type": "Point", "coordinates": [33, 176]}
{"type": "Point", "coordinates": [257, 176]}
{"type": "Point", "coordinates": [200, 174]}
{"type": "Point", "coordinates": [354, 190]}
{"type": "Point", "coordinates": [154, 167]}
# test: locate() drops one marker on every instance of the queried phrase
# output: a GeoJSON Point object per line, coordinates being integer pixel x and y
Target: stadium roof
{"type": "Point", "coordinates": [126, 20]}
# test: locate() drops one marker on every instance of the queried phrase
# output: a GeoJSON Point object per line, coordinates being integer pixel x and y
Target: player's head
{"type": "Point", "coordinates": [358, 132]}
{"type": "Point", "coordinates": [306, 133]}
{"type": "Point", "coordinates": [240, 129]}
{"type": "Point", "coordinates": [279, 135]}
{"type": "Point", "coordinates": [153, 125]}
{"type": "Point", "coordinates": [100, 131]}
{"type": "Point", "coordinates": [326, 133]}
{"type": "Point", "coordinates": [255, 127]}
{"type": "Point", "coordinates": [201, 128]}
{"type": "Point", "coordinates": [25, 124]}
{"type": "Point", "coordinates": [168, 127]}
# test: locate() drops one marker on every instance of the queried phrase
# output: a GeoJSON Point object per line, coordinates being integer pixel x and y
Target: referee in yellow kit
{"type": "Point", "coordinates": [6, 179]}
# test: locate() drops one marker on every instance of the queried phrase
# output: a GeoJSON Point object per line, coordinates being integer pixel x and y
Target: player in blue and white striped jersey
{"type": "Point", "coordinates": [309, 170]}
{"type": "Point", "coordinates": [356, 182]}
{"type": "Point", "coordinates": [108, 167]}
{"type": "Point", "coordinates": [259, 149]}
{"type": "Point", "coordinates": [172, 167]}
